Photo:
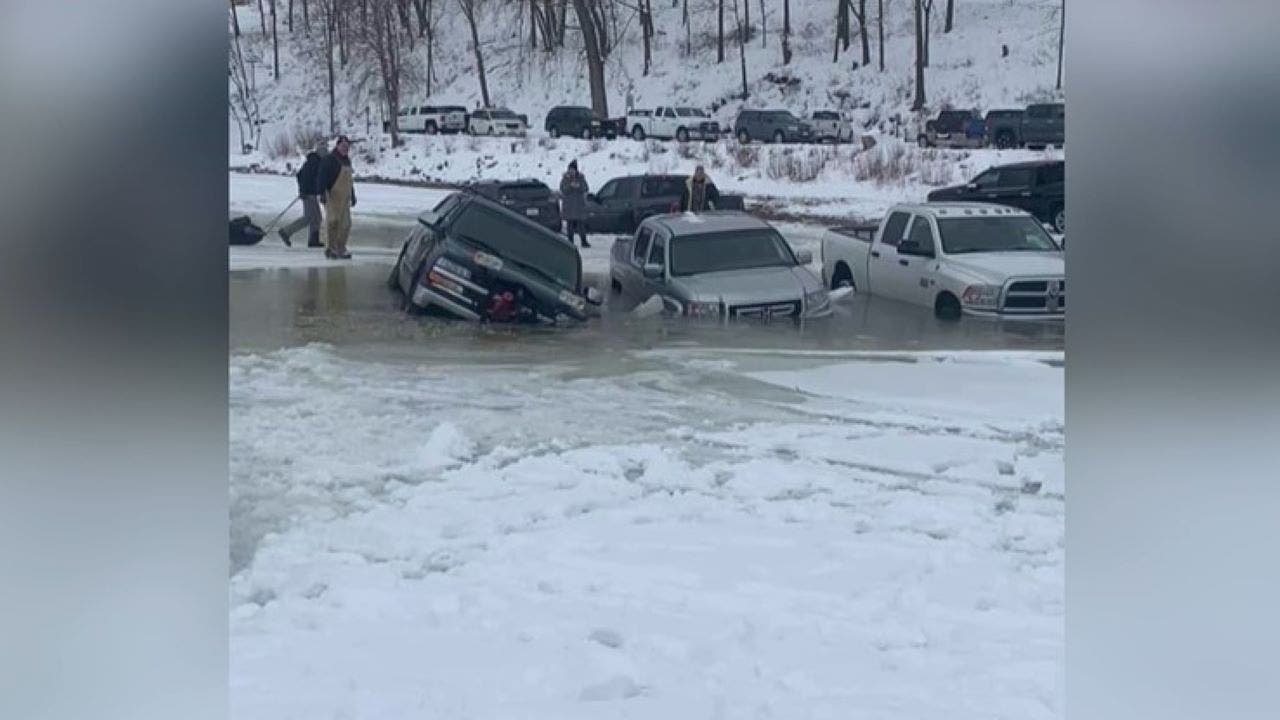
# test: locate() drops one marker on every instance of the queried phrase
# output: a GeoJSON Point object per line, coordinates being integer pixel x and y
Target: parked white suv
{"type": "Point", "coordinates": [955, 258]}
{"type": "Point", "coordinates": [496, 121]}
{"type": "Point", "coordinates": [432, 119]}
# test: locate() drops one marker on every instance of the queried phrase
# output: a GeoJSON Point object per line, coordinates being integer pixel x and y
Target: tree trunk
{"type": "Point", "coordinates": [861, 14]}
{"type": "Point", "coordinates": [918, 104]}
{"type": "Point", "coordinates": [1062, 29]}
{"type": "Point", "coordinates": [595, 62]}
{"type": "Point", "coordinates": [720, 35]}
{"type": "Point", "coordinates": [235, 19]}
{"type": "Point", "coordinates": [742, 47]}
{"type": "Point", "coordinates": [764, 32]}
{"type": "Point", "coordinates": [880, 29]}
{"type": "Point", "coordinates": [262, 16]}
{"type": "Point", "coordinates": [646, 32]}
{"type": "Point", "coordinates": [746, 16]}
{"type": "Point", "coordinates": [290, 17]}
{"type": "Point", "coordinates": [275, 43]}
{"type": "Point", "coordinates": [928, 14]}
{"type": "Point", "coordinates": [951, 8]}
{"type": "Point", "coordinates": [431, 45]}
{"type": "Point", "coordinates": [328, 46]}
{"type": "Point", "coordinates": [564, 22]}
{"type": "Point", "coordinates": [786, 32]}
{"type": "Point", "coordinates": [469, 10]}
{"type": "Point", "coordinates": [306, 18]}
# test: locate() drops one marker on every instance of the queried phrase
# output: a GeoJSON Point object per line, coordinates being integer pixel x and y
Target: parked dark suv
{"type": "Point", "coordinates": [621, 203]}
{"type": "Point", "coordinates": [1036, 187]}
{"type": "Point", "coordinates": [577, 121]}
{"type": "Point", "coordinates": [1044, 124]}
{"type": "Point", "coordinates": [1004, 128]}
{"type": "Point", "coordinates": [771, 125]}
{"type": "Point", "coordinates": [528, 197]}
{"type": "Point", "coordinates": [954, 129]}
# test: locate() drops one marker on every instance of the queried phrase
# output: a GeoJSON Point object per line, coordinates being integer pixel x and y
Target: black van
{"type": "Point", "coordinates": [575, 121]}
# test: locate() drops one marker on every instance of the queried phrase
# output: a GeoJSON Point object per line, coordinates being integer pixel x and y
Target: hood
{"type": "Point", "coordinates": [997, 267]}
{"type": "Point", "coordinates": [756, 285]}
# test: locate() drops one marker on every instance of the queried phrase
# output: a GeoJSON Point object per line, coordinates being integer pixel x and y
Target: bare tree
{"type": "Point", "coordinates": [382, 40]}
{"type": "Point", "coordinates": [595, 60]}
{"type": "Point", "coordinates": [880, 29]}
{"type": "Point", "coordinates": [951, 10]}
{"type": "Point", "coordinates": [275, 43]}
{"type": "Point", "coordinates": [842, 28]}
{"type": "Point", "coordinates": [927, 5]}
{"type": "Point", "coordinates": [720, 34]}
{"type": "Point", "coordinates": [646, 32]}
{"type": "Point", "coordinates": [330, 25]}
{"type": "Point", "coordinates": [469, 11]}
{"type": "Point", "coordinates": [306, 18]}
{"type": "Point", "coordinates": [764, 32]}
{"type": "Point", "coordinates": [860, 13]}
{"type": "Point", "coordinates": [742, 46]}
{"type": "Point", "coordinates": [290, 17]}
{"type": "Point", "coordinates": [244, 98]}
{"type": "Point", "coordinates": [786, 32]}
{"type": "Point", "coordinates": [262, 17]}
{"type": "Point", "coordinates": [235, 19]}
{"type": "Point", "coordinates": [918, 104]}
{"type": "Point", "coordinates": [1062, 29]}
{"type": "Point", "coordinates": [746, 14]}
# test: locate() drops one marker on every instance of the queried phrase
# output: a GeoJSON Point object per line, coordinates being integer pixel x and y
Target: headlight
{"type": "Point", "coordinates": [573, 300]}
{"type": "Point", "coordinates": [702, 309]}
{"type": "Point", "coordinates": [986, 296]}
{"type": "Point", "coordinates": [817, 299]}
{"type": "Point", "coordinates": [485, 260]}
{"type": "Point", "coordinates": [448, 265]}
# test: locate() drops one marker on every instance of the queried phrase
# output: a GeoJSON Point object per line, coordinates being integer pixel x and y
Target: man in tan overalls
{"type": "Point", "coordinates": [338, 187]}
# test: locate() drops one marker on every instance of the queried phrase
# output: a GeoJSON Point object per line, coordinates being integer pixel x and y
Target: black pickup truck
{"type": "Point", "coordinates": [474, 259]}
{"type": "Point", "coordinates": [621, 203]}
{"type": "Point", "coordinates": [1036, 187]}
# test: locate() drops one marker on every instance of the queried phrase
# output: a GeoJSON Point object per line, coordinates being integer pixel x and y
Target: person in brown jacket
{"type": "Point", "coordinates": [337, 185]}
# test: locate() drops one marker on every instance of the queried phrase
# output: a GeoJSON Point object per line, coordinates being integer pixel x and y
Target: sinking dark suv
{"type": "Point", "coordinates": [527, 196]}
{"type": "Point", "coordinates": [474, 259]}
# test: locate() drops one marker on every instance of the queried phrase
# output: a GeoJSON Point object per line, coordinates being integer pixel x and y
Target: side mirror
{"type": "Point", "coordinates": [804, 257]}
{"type": "Point", "coordinates": [910, 247]}
{"type": "Point", "coordinates": [653, 271]}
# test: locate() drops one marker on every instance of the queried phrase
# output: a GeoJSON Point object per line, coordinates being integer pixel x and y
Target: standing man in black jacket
{"type": "Point", "coordinates": [308, 177]}
{"type": "Point", "coordinates": [699, 193]}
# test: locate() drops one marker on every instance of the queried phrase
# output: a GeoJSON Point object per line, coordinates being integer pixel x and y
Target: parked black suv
{"type": "Point", "coordinates": [531, 198]}
{"type": "Point", "coordinates": [473, 259]}
{"type": "Point", "coordinates": [771, 125]}
{"type": "Point", "coordinates": [621, 203]}
{"type": "Point", "coordinates": [577, 121]}
{"type": "Point", "coordinates": [1036, 187]}
{"type": "Point", "coordinates": [1004, 128]}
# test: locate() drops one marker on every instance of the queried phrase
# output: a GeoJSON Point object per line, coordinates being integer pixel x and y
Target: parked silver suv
{"type": "Point", "coordinates": [771, 126]}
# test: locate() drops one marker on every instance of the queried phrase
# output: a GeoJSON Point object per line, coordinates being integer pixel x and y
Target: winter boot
{"type": "Point", "coordinates": [313, 240]}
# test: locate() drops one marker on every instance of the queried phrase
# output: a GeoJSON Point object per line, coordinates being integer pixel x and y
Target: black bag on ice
{"type": "Point", "coordinates": [244, 232]}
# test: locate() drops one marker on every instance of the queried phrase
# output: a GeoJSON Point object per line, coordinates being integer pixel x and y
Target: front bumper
{"type": "Point", "coordinates": [1013, 317]}
{"type": "Point", "coordinates": [425, 297]}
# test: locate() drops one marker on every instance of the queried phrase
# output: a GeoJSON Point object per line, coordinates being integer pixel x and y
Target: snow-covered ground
{"type": "Point", "coordinates": [675, 532]}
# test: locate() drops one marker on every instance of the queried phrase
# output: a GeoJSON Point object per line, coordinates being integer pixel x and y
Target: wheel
{"type": "Point", "coordinates": [841, 277]}
{"type": "Point", "coordinates": [637, 133]}
{"type": "Point", "coordinates": [1004, 139]}
{"type": "Point", "coordinates": [586, 133]}
{"type": "Point", "coordinates": [682, 135]}
{"type": "Point", "coordinates": [1060, 220]}
{"type": "Point", "coordinates": [554, 131]}
{"type": "Point", "coordinates": [947, 307]}
{"type": "Point", "coordinates": [923, 141]}
{"type": "Point", "coordinates": [778, 136]}
{"type": "Point", "coordinates": [431, 129]}
{"type": "Point", "coordinates": [393, 279]}
{"type": "Point", "coordinates": [492, 132]}
{"type": "Point", "coordinates": [743, 137]}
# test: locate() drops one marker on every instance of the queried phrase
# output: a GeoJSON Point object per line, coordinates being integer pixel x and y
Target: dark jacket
{"type": "Point", "coordinates": [696, 199]}
{"type": "Point", "coordinates": [309, 174]}
{"type": "Point", "coordinates": [330, 168]}
{"type": "Point", "coordinates": [573, 196]}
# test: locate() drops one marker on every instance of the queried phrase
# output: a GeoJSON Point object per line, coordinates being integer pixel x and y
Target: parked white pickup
{"type": "Point", "coordinates": [956, 258]}
{"type": "Point", "coordinates": [665, 123]}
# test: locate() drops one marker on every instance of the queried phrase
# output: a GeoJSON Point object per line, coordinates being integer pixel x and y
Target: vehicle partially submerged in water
{"type": "Point", "coordinates": [471, 258]}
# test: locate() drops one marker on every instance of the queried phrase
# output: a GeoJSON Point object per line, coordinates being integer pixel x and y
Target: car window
{"type": "Point", "coordinates": [529, 192]}
{"type": "Point", "coordinates": [657, 251]}
{"type": "Point", "coordinates": [729, 250]}
{"type": "Point", "coordinates": [642, 245]}
{"type": "Point", "coordinates": [894, 227]}
{"type": "Point", "coordinates": [994, 234]}
{"type": "Point", "coordinates": [608, 190]}
{"type": "Point", "coordinates": [921, 233]}
{"type": "Point", "coordinates": [1050, 174]}
{"type": "Point", "coordinates": [987, 179]}
{"type": "Point", "coordinates": [1016, 177]}
{"type": "Point", "coordinates": [662, 186]}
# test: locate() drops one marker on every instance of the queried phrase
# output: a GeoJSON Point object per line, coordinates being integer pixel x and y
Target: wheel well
{"type": "Point", "coordinates": [842, 271]}
{"type": "Point", "coordinates": [946, 305]}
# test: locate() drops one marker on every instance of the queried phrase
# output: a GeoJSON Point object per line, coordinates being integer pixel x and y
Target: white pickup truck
{"type": "Point", "coordinates": [681, 123]}
{"type": "Point", "coordinates": [956, 258]}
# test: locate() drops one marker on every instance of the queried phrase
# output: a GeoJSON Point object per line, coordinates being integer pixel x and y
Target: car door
{"type": "Point", "coordinates": [882, 261]}
{"type": "Point", "coordinates": [911, 275]}
{"type": "Point", "coordinates": [1012, 187]}
{"type": "Point", "coordinates": [656, 255]}
{"type": "Point", "coordinates": [631, 272]}
{"type": "Point", "coordinates": [603, 214]}
{"type": "Point", "coordinates": [1035, 125]}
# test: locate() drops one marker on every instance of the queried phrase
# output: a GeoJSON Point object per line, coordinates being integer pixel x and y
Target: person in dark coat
{"type": "Point", "coordinates": [337, 186]}
{"type": "Point", "coordinates": [308, 177]}
{"type": "Point", "coordinates": [699, 193]}
{"type": "Point", "coordinates": [573, 203]}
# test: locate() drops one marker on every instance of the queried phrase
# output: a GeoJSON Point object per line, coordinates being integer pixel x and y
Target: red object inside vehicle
{"type": "Point", "coordinates": [502, 306]}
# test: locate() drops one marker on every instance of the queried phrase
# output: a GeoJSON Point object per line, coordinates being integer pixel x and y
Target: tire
{"type": "Point", "coordinates": [743, 137]}
{"type": "Point", "coordinates": [778, 137]}
{"type": "Point", "coordinates": [554, 131]}
{"type": "Point", "coordinates": [1004, 139]}
{"type": "Point", "coordinates": [947, 307]}
{"type": "Point", "coordinates": [923, 141]}
{"type": "Point", "coordinates": [393, 278]}
{"type": "Point", "coordinates": [1060, 220]}
{"type": "Point", "coordinates": [682, 135]}
{"type": "Point", "coordinates": [637, 133]}
{"type": "Point", "coordinates": [431, 129]}
{"type": "Point", "coordinates": [841, 277]}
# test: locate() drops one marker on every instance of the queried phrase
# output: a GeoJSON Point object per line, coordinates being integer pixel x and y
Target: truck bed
{"type": "Point", "coordinates": [865, 231]}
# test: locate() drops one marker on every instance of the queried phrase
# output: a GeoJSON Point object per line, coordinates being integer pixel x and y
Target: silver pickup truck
{"type": "Point", "coordinates": [717, 265]}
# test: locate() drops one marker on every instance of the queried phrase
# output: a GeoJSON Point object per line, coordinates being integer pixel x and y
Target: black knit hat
{"type": "Point", "coordinates": [573, 164]}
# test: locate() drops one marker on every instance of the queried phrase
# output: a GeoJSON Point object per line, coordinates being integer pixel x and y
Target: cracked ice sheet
{"type": "Point", "coordinates": [692, 551]}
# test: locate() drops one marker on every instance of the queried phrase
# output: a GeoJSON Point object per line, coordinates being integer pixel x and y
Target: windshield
{"type": "Point", "coordinates": [525, 191]}
{"type": "Point", "coordinates": [993, 234]}
{"type": "Point", "coordinates": [513, 240]}
{"type": "Point", "coordinates": [690, 112]}
{"type": "Point", "coordinates": [784, 116]}
{"type": "Point", "coordinates": [730, 250]}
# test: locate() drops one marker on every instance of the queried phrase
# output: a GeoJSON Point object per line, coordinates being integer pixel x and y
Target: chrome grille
{"type": "Point", "coordinates": [766, 311]}
{"type": "Point", "coordinates": [1047, 296]}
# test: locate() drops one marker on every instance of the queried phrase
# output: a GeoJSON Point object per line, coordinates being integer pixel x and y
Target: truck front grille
{"type": "Point", "coordinates": [1035, 297]}
{"type": "Point", "coordinates": [766, 311]}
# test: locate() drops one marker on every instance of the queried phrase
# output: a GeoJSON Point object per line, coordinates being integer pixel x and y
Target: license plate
{"type": "Point", "coordinates": [531, 211]}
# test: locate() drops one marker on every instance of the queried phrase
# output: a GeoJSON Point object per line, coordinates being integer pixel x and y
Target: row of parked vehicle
{"type": "Point", "coordinates": [450, 119]}
{"type": "Point", "coordinates": [1036, 127]}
